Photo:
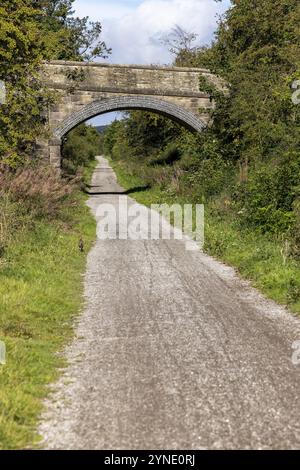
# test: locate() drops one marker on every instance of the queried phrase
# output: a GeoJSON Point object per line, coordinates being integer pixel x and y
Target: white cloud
{"type": "Point", "coordinates": [132, 28]}
{"type": "Point", "coordinates": [99, 9]}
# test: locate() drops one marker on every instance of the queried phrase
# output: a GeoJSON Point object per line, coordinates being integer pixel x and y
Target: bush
{"type": "Point", "coordinates": [168, 156]}
{"type": "Point", "coordinates": [81, 146]}
{"type": "Point", "coordinates": [266, 199]}
{"type": "Point", "coordinates": [37, 190]}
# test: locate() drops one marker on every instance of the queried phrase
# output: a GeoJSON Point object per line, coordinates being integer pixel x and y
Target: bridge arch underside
{"type": "Point", "coordinates": [177, 113]}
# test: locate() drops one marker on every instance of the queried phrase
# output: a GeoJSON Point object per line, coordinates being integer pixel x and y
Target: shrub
{"type": "Point", "coordinates": [266, 199]}
{"type": "Point", "coordinates": [38, 190]}
{"type": "Point", "coordinates": [168, 156]}
{"type": "Point", "coordinates": [80, 147]}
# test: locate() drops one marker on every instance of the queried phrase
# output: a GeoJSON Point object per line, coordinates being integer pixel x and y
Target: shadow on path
{"type": "Point", "coordinates": [89, 190]}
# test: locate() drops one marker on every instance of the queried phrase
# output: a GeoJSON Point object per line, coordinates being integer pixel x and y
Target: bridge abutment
{"type": "Point", "coordinates": [55, 153]}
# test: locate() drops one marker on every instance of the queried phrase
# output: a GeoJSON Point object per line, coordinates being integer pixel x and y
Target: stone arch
{"type": "Point", "coordinates": [120, 103]}
{"type": "Point", "coordinates": [95, 108]}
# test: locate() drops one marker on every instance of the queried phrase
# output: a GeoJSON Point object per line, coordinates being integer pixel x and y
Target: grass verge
{"type": "Point", "coordinates": [41, 293]}
{"type": "Point", "coordinates": [257, 257]}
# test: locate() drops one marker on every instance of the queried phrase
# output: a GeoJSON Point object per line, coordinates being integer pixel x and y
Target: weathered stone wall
{"type": "Point", "coordinates": [87, 89]}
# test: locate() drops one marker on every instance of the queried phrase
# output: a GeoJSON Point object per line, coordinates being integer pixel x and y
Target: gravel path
{"type": "Point", "coordinates": [172, 351]}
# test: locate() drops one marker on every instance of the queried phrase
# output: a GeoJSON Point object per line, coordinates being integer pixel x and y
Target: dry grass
{"type": "Point", "coordinates": [39, 189]}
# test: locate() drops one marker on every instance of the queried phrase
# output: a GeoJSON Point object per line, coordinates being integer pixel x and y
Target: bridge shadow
{"type": "Point", "coordinates": [89, 190]}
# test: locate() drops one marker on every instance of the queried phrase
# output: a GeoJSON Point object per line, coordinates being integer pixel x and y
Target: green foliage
{"type": "Point", "coordinates": [115, 139]}
{"type": "Point", "coordinates": [66, 37]}
{"type": "Point", "coordinates": [31, 31]}
{"type": "Point", "coordinates": [257, 50]}
{"type": "Point", "coordinates": [168, 156]}
{"type": "Point", "coordinates": [80, 147]}
{"type": "Point", "coordinates": [20, 54]}
{"type": "Point", "coordinates": [266, 200]}
{"type": "Point", "coordinates": [141, 135]}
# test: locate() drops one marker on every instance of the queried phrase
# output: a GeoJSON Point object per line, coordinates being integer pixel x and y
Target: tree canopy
{"type": "Point", "coordinates": [32, 31]}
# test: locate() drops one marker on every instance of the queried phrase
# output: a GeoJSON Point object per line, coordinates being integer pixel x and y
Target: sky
{"type": "Point", "coordinates": [134, 28]}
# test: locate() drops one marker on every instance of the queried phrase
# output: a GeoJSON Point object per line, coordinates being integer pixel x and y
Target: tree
{"type": "Point", "coordinates": [180, 44]}
{"type": "Point", "coordinates": [66, 37]}
{"type": "Point", "coordinates": [80, 147]}
{"type": "Point", "coordinates": [20, 55]}
{"type": "Point", "coordinates": [31, 31]}
{"type": "Point", "coordinates": [256, 127]}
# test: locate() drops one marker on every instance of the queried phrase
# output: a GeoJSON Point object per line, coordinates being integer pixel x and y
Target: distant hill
{"type": "Point", "coordinates": [101, 129]}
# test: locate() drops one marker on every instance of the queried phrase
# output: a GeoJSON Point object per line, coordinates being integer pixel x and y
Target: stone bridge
{"type": "Point", "coordinates": [86, 90]}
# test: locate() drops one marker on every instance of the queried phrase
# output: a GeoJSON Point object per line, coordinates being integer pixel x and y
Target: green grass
{"type": "Point", "coordinates": [257, 257]}
{"type": "Point", "coordinates": [41, 293]}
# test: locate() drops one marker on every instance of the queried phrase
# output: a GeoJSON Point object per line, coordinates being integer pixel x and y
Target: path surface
{"type": "Point", "coordinates": [172, 351]}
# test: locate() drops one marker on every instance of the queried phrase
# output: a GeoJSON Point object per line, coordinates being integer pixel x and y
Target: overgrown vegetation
{"type": "Point", "coordinates": [80, 147]}
{"type": "Point", "coordinates": [246, 166]}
